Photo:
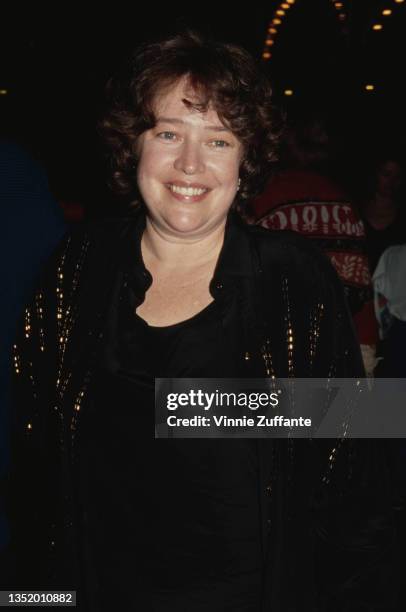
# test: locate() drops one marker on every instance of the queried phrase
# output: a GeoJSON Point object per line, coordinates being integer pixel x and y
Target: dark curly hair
{"type": "Point", "coordinates": [224, 76]}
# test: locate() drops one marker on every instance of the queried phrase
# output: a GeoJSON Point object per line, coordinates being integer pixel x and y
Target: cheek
{"type": "Point", "coordinates": [146, 168]}
{"type": "Point", "coordinates": [144, 179]}
{"type": "Point", "coordinates": [140, 174]}
{"type": "Point", "coordinates": [154, 162]}
{"type": "Point", "coordinates": [233, 174]}
{"type": "Point", "coordinates": [228, 171]}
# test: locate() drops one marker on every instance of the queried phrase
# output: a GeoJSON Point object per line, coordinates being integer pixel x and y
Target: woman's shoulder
{"type": "Point", "coordinates": [291, 252]}
{"type": "Point", "coordinates": [92, 237]}
{"type": "Point", "coordinates": [86, 247]}
{"type": "Point", "coordinates": [93, 231]}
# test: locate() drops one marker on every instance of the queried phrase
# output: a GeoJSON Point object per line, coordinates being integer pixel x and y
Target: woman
{"type": "Point", "coordinates": [182, 288]}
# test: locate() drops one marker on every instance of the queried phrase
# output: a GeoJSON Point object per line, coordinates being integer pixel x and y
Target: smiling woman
{"type": "Point", "coordinates": [183, 288]}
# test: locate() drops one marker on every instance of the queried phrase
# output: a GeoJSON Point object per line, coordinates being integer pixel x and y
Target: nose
{"type": "Point", "coordinates": [190, 159]}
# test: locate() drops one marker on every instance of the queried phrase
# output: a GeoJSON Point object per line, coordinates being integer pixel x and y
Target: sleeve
{"type": "Point", "coordinates": [355, 548]}
{"type": "Point", "coordinates": [32, 480]}
{"type": "Point", "coordinates": [337, 352]}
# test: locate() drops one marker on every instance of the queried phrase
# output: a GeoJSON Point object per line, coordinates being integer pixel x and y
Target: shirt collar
{"type": "Point", "coordinates": [234, 260]}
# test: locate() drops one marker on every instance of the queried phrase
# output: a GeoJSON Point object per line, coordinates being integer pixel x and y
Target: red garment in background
{"type": "Point", "coordinates": [74, 212]}
{"type": "Point", "coordinates": [315, 206]}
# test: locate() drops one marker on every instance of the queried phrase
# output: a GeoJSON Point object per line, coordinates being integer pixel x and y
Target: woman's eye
{"type": "Point", "coordinates": [167, 135]}
{"type": "Point", "coordinates": [219, 144]}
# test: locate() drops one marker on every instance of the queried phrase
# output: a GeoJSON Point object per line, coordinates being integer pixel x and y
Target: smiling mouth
{"type": "Point", "coordinates": [187, 191]}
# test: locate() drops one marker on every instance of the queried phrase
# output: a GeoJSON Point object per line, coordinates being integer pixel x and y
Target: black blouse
{"type": "Point", "coordinates": [195, 543]}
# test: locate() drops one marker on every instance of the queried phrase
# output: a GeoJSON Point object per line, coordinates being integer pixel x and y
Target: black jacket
{"type": "Point", "coordinates": [325, 505]}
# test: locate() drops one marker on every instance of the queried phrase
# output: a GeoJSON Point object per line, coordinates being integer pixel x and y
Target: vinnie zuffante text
{"type": "Point", "coordinates": [208, 401]}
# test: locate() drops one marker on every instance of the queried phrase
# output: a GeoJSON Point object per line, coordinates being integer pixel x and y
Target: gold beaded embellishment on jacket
{"type": "Point", "coordinates": [66, 316]}
{"type": "Point", "coordinates": [27, 325]}
{"type": "Point", "coordinates": [16, 360]}
{"type": "Point", "coordinates": [76, 410]}
{"type": "Point", "coordinates": [40, 314]}
{"type": "Point", "coordinates": [316, 315]}
{"type": "Point", "coordinates": [267, 357]}
{"type": "Point", "coordinates": [59, 315]}
{"type": "Point", "coordinates": [288, 326]}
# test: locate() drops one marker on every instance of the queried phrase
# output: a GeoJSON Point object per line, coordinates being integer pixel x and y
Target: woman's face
{"type": "Point", "coordinates": [188, 166]}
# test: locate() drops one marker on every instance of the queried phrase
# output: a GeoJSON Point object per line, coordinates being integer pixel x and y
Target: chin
{"type": "Point", "coordinates": [186, 227]}
{"type": "Point", "coordinates": [184, 223]}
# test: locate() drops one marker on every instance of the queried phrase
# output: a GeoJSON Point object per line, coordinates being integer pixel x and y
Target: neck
{"type": "Point", "coordinates": [175, 252]}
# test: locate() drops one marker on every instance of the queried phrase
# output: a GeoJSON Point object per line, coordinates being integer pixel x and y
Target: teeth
{"type": "Point", "coordinates": [187, 191]}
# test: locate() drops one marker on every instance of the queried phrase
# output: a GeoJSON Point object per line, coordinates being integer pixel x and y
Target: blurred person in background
{"type": "Point", "coordinates": [390, 306]}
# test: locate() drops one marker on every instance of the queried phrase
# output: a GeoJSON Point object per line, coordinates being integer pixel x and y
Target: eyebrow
{"type": "Point", "coordinates": [214, 128]}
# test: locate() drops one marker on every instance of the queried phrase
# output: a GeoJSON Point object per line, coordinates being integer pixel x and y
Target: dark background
{"type": "Point", "coordinates": [55, 62]}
